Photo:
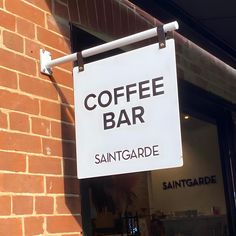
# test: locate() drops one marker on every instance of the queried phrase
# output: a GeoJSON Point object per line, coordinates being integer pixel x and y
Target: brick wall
{"type": "Point", "coordinates": [39, 192]}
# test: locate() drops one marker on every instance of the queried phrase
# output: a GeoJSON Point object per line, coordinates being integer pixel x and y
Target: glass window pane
{"type": "Point", "coordinates": [190, 200]}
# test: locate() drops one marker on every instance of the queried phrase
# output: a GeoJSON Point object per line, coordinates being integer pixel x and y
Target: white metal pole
{"type": "Point", "coordinates": [48, 64]}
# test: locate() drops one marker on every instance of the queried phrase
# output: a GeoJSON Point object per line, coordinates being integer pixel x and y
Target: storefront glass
{"type": "Point", "coordinates": [190, 200]}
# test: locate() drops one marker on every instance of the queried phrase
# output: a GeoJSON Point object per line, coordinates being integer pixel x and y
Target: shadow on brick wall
{"type": "Point", "coordinates": [71, 183]}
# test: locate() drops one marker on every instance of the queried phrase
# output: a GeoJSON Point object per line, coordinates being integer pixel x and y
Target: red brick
{"type": "Point", "coordinates": [32, 48]}
{"type": "Point", "coordinates": [53, 40]}
{"type": "Point", "coordinates": [37, 87]}
{"type": "Point", "coordinates": [44, 205]}
{"type": "Point", "coordinates": [20, 142]}
{"type": "Point", "coordinates": [45, 5]}
{"type": "Point", "coordinates": [83, 12]}
{"type": "Point", "coordinates": [40, 126]}
{"type": "Point", "coordinates": [59, 148]}
{"type": "Point", "coordinates": [21, 183]}
{"type": "Point", "coordinates": [12, 161]}
{"type": "Point", "coordinates": [57, 111]}
{"type": "Point", "coordinates": [141, 25]}
{"type": "Point", "coordinates": [67, 114]}
{"type": "Point", "coordinates": [69, 149]}
{"type": "Point", "coordinates": [51, 109]}
{"type": "Point", "coordinates": [13, 41]}
{"type": "Point", "coordinates": [17, 62]}
{"type": "Point", "coordinates": [62, 224]}
{"type": "Point", "coordinates": [66, 66]}
{"type": "Point", "coordinates": [63, 77]}
{"type": "Point", "coordinates": [18, 102]}
{"type": "Point", "coordinates": [67, 96]}
{"type": "Point", "coordinates": [62, 185]}
{"type": "Point", "coordinates": [131, 20]}
{"type": "Point", "coordinates": [109, 16]}
{"type": "Point", "coordinates": [124, 19]}
{"type": "Point", "coordinates": [63, 131]}
{"type": "Point", "coordinates": [52, 147]}
{"type": "Point", "coordinates": [8, 78]}
{"type": "Point", "coordinates": [25, 28]}
{"type": "Point", "coordinates": [69, 167]}
{"type": "Point", "coordinates": [33, 226]}
{"type": "Point", "coordinates": [8, 21]}
{"type": "Point", "coordinates": [61, 10]}
{"type": "Point", "coordinates": [92, 14]}
{"type": "Point", "coordinates": [10, 227]}
{"type": "Point", "coordinates": [68, 205]}
{"type": "Point", "coordinates": [57, 26]}
{"type": "Point", "coordinates": [116, 18]}
{"type": "Point", "coordinates": [195, 68]}
{"type": "Point", "coordinates": [19, 122]}
{"type": "Point", "coordinates": [3, 120]}
{"type": "Point", "coordinates": [21, 8]}
{"type": "Point", "coordinates": [73, 11]}
{"type": "Point", "coordinates": [64, 1]}
{"type": "Point", "coordinates": [100, 9]}
{"type": "Point", "coordinates": [5, 203]}
{"type": "Point", "coordinates": [22, 205]}
{"type": "Point", "coordinates": [44, 165]}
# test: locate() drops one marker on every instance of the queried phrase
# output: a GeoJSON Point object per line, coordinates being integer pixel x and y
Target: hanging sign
{"type": "Point", "coordinates": [127, 113]}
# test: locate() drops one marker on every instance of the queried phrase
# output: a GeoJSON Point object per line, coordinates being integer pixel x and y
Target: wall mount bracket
{"type": "Point", "coordinates": [46, 62]}
{"type": "Point", "coordinates": [161, 37]}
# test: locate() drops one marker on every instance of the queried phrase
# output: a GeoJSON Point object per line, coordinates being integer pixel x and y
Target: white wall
{"type": "Point", "coordinates": [201, 158]}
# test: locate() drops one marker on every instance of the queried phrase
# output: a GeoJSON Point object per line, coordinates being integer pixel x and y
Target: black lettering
{"type": "Point", "coordinates": [119, 152]}
{"type": "Point", "coordinates": [112, 156]}
{"type": "Point", "coordinates": [129, 92]}
{"type": "Point", "coordinates": [90, 108]}
{"type": "Point", "coordinates": [102, 103]}
{"type": "Point", "coordinates": [183, 182]}
{"type": "Point", "coordinates": [189, 183]}
{"type": "Point", "coordinates": [213, 179]}
{"type": "Point", "coordinates": [164, 186]}
{"type": "Point", "coordinates": [137, 113]}
{"type": "Point", "coordinates": [97, 159]}
{"type": "Point", "coordinates": [200, 181]}
{"type": "Point", "coordinates": [123, 118]}
{"type": "Point", "coordinates": [103, 159]}
{"type": "Point", "coordinates": [155, 86]}
{"type": "Point", "coordinates": [116, 94]}
{"type": "Point", "coordinates": [177, 184]}
{"type": "Point", "coordinates": [207, 180]}
{"type": "Point", "coordinates": [142, 89]}
{"type": "Point", "coordinates": [108, 120]}
{"type": "Point", "coordinates": [133, 154]}
{"type": "Point", "coordinates": [195, 182]}
{"type": "Point", "coordinates": [169, 185]}
{"type": "Point", "coordinates": [141, 152]}
{"type": "Point", "coordinates": [125, 157]}
{"type": "Point", "coordinates": [155, 150]}
{"type": "Point", "coordinates": [148, 151]}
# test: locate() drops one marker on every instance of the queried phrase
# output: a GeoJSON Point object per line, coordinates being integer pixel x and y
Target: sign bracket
{"type": "Point", "coordinates": [161, 37]}
{"type": "Point", "coordinates": [80, 61]}
{"type": "Point", "coordinates": [46, 62]}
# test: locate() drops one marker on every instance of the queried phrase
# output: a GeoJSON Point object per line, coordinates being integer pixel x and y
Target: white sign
{"type": "Point", "coordinates": [127, 113]}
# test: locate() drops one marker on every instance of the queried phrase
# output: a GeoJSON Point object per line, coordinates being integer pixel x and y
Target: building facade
{"type": "Point", "coordinates": [39, 190]}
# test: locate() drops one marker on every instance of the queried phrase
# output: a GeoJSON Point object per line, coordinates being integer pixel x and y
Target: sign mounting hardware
{"type": "Point", "coordinates": [46, 62]}
{"type": "Point", "coordinates": [80, 61]}
{"type": "Point", "coordinates": [161, 37]}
